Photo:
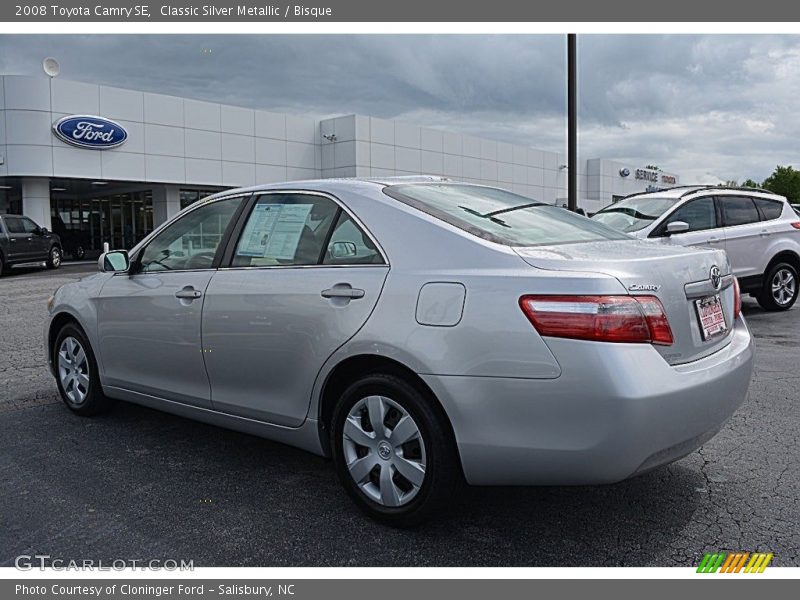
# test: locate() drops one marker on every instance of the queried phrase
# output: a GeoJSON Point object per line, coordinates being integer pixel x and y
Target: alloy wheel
{"type": "Point", "coordinates": [73, 370]}
{"type": "Point", "coordinates": [384, 451]}
{"type": "Point", "coordinates": [55, 257]}
{"type": "Point", "coordinates": [784, 286]}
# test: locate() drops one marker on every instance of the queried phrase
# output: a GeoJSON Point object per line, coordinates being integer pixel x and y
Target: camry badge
{"type": "Point", "coordinates": [716, 277]}
{"type": "Point", "coordinates": [644, 287]}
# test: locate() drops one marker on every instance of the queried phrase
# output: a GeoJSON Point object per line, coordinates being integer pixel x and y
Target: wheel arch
{"type": "Point", "coordinates": [789, 256]}
{"type": "Point", "coordinates": [58, 321]}
{"type": "Point", "coordinates": [352, 367]}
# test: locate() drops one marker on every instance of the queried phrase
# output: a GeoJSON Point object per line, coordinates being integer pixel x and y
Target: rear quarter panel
{"type": "Point", "coordinates": [783, 237]}
{"type": "Point", "coordinates": [493, 337]}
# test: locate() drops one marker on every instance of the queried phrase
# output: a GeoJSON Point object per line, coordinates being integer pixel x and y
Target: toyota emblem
{"type": "Point", "coordinates": [716, 277]}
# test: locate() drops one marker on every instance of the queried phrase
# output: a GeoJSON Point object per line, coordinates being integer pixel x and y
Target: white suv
{"type": "Point", "coordinates": [759, 230]}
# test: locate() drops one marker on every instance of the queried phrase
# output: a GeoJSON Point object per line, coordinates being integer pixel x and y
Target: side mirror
{"type": "Point", "coordinates": [677, 227]}
{"type": "Point", "coordinates": [115, 261]}
{"type": "Point", "coordinates": [43, 231]}
{"type": "Point", "coordinates": [343, 250]}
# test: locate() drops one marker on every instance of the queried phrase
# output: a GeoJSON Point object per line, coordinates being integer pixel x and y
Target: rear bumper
{"type": "Point", "coordinates": [617, 410]}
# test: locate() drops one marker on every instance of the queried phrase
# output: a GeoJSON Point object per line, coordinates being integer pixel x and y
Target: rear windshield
{"type": "Point", "coordinates": [500, 216]}
{"type": "Point", "coordinates": [633, 214]}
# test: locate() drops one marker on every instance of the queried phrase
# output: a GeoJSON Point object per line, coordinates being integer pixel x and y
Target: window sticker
{"type": "Point", "coordinates": [274, 230]}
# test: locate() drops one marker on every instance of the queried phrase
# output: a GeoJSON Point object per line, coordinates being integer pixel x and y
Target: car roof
{"type": "Point", "coordinates": [685, 191]}
{"type": "Point", "coordinates": [338, 182]}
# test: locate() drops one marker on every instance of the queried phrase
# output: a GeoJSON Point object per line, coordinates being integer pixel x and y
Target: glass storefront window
{"type": "Point", "coordinates": [86, 219]}
{"type": "Point", "coordinates": [86, 214]}
{"type": "Point", "coordinates": [10, 196]}
{"type": "Point", "coordinates": [190, 196]}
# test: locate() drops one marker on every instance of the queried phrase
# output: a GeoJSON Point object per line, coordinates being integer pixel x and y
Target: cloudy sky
{"type": "Point", "coordinates": [708, 107]}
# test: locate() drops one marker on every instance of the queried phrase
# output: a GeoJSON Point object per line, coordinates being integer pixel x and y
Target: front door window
{"type": "Point", "coordinates": [699, 214]}
{"type": "Point", "coordinates": [191, 242]}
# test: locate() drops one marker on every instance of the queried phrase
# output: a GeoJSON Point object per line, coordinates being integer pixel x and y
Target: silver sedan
{"type": "Point", "coordinates": [419, 332]}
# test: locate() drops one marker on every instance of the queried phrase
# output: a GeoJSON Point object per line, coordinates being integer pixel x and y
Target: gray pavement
{"type": "Point", "coordinates": [139, 484]}
{"type": "Point", "coordinates": [24, 378]}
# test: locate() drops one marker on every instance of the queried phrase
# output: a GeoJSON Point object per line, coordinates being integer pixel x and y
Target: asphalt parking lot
{"type": "Point", "coordinates": [138, 484]}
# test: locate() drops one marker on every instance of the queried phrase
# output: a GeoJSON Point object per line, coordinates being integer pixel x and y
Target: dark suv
{"type": "Point", "coordinates": [23, 241]}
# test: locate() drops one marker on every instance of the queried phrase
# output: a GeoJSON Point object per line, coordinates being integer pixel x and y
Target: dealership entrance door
{"type": "Point", "coordinates": [88, 214]}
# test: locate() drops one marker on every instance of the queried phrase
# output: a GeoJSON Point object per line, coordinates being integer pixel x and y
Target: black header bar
{"type": "Point", "coordinates": [779, 11]}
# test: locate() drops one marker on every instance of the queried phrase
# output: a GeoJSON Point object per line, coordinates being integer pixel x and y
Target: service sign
{"type": "Point", "coordinates": [87, 131]}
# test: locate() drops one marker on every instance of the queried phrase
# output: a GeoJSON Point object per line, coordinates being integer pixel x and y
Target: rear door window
{"type": "Point", "coordinates": [14, 225]}
{"type": "Point", "coordinates": [286, 229]}
{"type": "Point", "coordinates": [738, 210]}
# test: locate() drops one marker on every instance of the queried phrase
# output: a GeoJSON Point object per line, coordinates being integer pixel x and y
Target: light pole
{"type": "Point", "coordinates": [572, 122]}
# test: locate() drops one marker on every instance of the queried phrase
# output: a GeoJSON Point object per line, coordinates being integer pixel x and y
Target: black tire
{"type": "Point", "coordinates": [93, 402]}
{"type": "Point", "coordinates": [780, 274]}
{"type": "Point", "coordinates": [2, 266]}
{"type": "Point", "coordinates": [442, 468]}
{"type": "Point", "coordinates": [54, 258]}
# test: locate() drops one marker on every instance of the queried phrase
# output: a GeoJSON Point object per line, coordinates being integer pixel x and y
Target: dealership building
{"type": "Point", "coordinates": [103, 164]}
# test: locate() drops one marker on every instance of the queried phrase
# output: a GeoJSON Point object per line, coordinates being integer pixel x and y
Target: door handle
{"type": "Point", "coordinates": [764, 232]}
{"type": "Point", "coordinates": [343, 292]}
{"type": "Point", "coordinates": [188, 293]}
{"type": "Point", "coordinates": [711, 240]}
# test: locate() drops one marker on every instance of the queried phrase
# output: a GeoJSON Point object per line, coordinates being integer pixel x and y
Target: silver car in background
{"type": "Point", "coordinates": [420, 332]}
{"type": "Point", "coordinates": [759, 230]}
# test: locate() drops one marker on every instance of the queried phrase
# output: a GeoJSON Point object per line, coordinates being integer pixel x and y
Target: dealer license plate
{"type": "Point", "coordinates": [711, 316]}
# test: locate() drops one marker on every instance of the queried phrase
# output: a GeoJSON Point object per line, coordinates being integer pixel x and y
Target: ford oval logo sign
{"type": "Point", "coordinates": [87, 131]}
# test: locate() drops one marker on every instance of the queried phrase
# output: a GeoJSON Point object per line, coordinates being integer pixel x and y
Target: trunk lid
{"type": "Point", "coordinates": [678, 276]}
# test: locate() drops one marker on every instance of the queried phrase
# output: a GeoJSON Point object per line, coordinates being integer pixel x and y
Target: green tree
{"type": "Point", "coordinates": [750, 183]}
{"type": "Point", "coordinates": [784, 181]}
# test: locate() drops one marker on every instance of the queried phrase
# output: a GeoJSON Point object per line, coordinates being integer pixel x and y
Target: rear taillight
{"type": "Point", "coordinates": [737, 299]}
{"type": "Point", "coordinates": [632, 319]}
{"type": "Point", "coordinates": [796, 225]}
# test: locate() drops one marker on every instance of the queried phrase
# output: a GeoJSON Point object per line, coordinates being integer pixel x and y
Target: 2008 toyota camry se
{"type": "Point", "coordinates": [418, 331]}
